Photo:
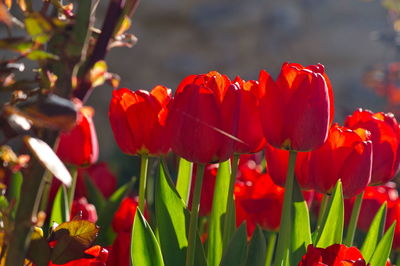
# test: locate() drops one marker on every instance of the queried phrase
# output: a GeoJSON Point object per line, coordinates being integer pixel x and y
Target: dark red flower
{"type": "Point", "coordinates": [79, 146]}
{"type": "Point", "coordinates": [94, 256]}
{"type": "Point", "coordinates": [297, 109]}
{"type": "Point", "coordinates": [385, 136]}
{"type": "Point", "coordinates": [393, 215]}
{"type": "Point", "coordinates": [122, 225]}
{"type": "Point", "coordinates": [258, 201]}
{"type": "Point", "coordinates": [81, 207]}
{"type": "Point", "coordinates": [212, 118]}
{"type": "Point", "coordinates": [100, 175]}
{"type": "Point", "coordinates": [138, 120]}
{"type": "Point", "coordinates": [334, 255]}
{"type": "Point", "coordinates": [346, 155]}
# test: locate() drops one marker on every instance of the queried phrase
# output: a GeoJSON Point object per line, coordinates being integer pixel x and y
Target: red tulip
{"type": "Point", "coordinates": [94, 256]}
{"type": "Point", "coordinates": [138, 120]}
{"type": "Point", "coordinates": [334, 255]}
{"type": "Point", "coordinates": [79, 146]}
{"type": "Point", "coordinates": [393, 215]}
{"type": "Point", "coordinates": [100, 175]}
{"type": "Point", "coordinates": [297, 109]}
{"type": "Point", "coordinates": [346, 155]}
{"type": "Point", "coordinates": [385, 136]}
{"type": "Point", "coordinates": [81, 207]}
{"type": "Point", "coordinates": [258, 201]}
{"type": "Point", "coordinates": [212, 118]}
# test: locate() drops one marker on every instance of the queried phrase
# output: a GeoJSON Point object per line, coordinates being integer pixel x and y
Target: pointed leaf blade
{"type": "Point", "coordinates": [384, 247]}
{"type": "Point", "coordinates": [257, 249]}
{"type": "Point", "coordinates": [236, 252]}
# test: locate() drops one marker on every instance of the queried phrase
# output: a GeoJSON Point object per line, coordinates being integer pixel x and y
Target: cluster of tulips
{"type": "Point", "coordinates": [212, 119]}
{"type": "Point", "coordinates": [258, 148]}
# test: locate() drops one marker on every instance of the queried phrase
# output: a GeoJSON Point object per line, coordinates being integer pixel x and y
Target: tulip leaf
{"type": "Point", "coordinates": [171, 221]}
{"type": "Point", "coordinates": [38, 55]}
{"type": "Point", "coordinates": [60, 210]}
{"type": "Point", "coordinates": [215, 231]}
{"type": "Point", "coordinates": [94, 194]}
{"type": "Point", "coordinates": [301, 232]}
{"type": "Point", "coordinates": [384, 247]}
{"type": "Point", "coordinates": [333, 220]}
{"type": "Point", "coordinates": [184, 179]}
{"type": "Point", "coordinates": [145, 250]}
{"type": "Point", "coordinates": [257, 249]}
{"type": "Point", "coordinates": [375, 233]}
{"type": "Point", "coordinates": [236, 251]}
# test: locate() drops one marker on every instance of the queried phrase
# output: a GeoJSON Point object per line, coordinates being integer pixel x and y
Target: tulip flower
{"type": "Point", "coordinates": [84, 210]}
{"type": "Point", "coordinates": [138, 120]}
{"type": "Point", "coordinates": [297, 109]}
{"type": "Point", "coordinates": [334, 255]}
{"type": "Point", "coordinates": [100, 175]}
{"type": "Point", "coordinates": [346, 155]}
{"type": "Point", "coordinates": [385, 136]}
{"type": "Point", "coordinates": [258, 202]}
{"type": "Point", "coordinates": [79, 146]}
{"type": "Point", "coordinates": [393, 215]}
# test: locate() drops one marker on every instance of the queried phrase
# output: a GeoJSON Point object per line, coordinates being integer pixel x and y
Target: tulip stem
{"type": "Point", "coordinates": [184, 179]}
{"type": "Point", "coordinates": [230, 218]}
{"type": "Point", "coordinates": [284, 239]}
{"type": "Point", "coordinates": [71, 190]}
{"type": "Point", "coordinates": [143, 179]}
{"type": "Point", "coordinates": [351, 229]}
{"type": "Point", "coordinates": [322, 210]}
{"type": "Point", "coordinates": [271, 239]}
{"type": "Point", "coordinates": [194, 215]}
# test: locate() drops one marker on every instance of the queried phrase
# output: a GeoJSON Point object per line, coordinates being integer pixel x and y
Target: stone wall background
{"type": "Point", "coordinates": [236, 37]}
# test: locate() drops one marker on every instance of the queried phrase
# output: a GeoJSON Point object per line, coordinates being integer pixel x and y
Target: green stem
{"type": "Point", "coordinates": [46, 184]}
{"type": "Point", "coordinates": [142, 181]}
{"type": "Point", "coordinates": [271, 239]}
{"type": "Point", "coordinates": [283, 248]}
{"type": "Point", "coordinates": [71, 190]}
{"type": "Point", "coordinates": [194, 215]}
{"type": "Point", "coordinates": [351, 230]}
{"type": "Point", "coordinates": [184, 179]}
{"type": "Point", "coordinates": [230, 204]}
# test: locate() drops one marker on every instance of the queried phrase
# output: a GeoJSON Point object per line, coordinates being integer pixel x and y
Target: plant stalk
{"type": "Point", "coordinates": [355, 213]}
{"type": "Point", "coordinates": [285, 231]}
{"type": "Point", "coordinates": [194, 215]}
{"type": "Point", "coordinates": [142, 181]}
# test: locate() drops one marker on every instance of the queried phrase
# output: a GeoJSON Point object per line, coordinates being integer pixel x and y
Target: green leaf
{"type": "Point", "coordinates": [218, 211]}
{"type": "Point", "coordinates": [257, 249]}
{"type": "Point", "coordinates": [171, 219]}
{"type": "Point", "coordinates": [38, 27]}
{"type": "Point", "coordinates": [236, 252]}
{"type": "Point", "coordinates": [73, 238]}
{"type": "Point", "coordinates": [39, 251]}
{"type": "Point", "coordinates": [184, 179]}
{"type": "Point", "coordinates": [41, 55]}
{"type": "Point", "coordinates": [59, 212]}
{"type": "Point", "coordinates": [94, 194]}
{"type": "Point", "coordinates": [301, 232]}
{"type": "Point", "coordinates": [332, 225]}
{"type": "Point", "coordinates": [375, 233]}
{"type": "Point", "coordinates": [106, 214]}
{"type": "Point", "coordinates": [384, 247]}
{"type": "Point", "coordinates": [145, 250]}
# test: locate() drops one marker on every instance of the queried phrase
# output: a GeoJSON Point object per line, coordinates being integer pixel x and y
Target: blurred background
{"type": "Point", "coordinates": [356, 40]}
